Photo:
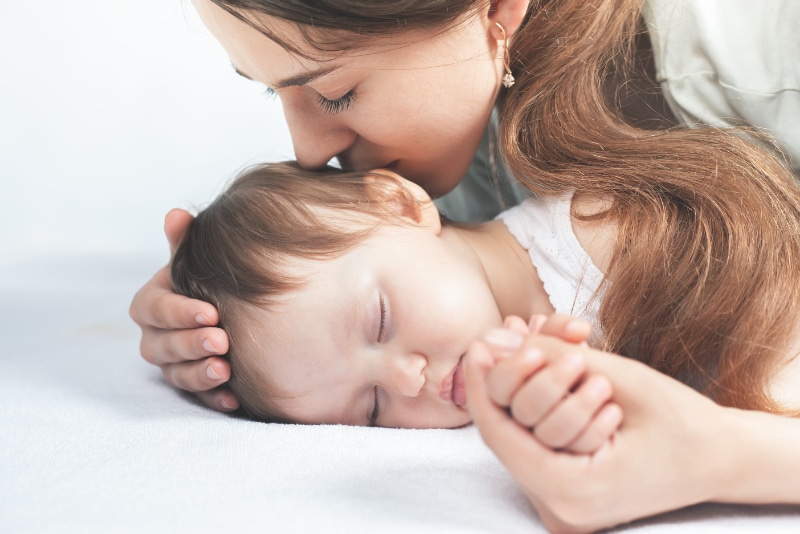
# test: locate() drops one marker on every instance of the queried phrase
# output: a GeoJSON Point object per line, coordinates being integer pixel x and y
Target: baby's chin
{"type": "Point", "coordinates": [465, 425]}
{"type": "Point", "coordinates": [462, 420]}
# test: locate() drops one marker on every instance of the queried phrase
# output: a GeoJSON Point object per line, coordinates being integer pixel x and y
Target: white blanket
{"type": "Point", "coordinates": [93, 440]}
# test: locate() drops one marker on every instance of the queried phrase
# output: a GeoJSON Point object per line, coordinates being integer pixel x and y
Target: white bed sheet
{"type": "Point", "coordinates": [93, 440]}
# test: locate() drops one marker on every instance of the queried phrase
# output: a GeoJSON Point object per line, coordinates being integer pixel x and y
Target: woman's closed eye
{"type": "Point", "coordinates": [329, 106]}
{"type": "Point", "coordinates": [337, 105]}
{"type": "Point", "coordinates": [270, 93]}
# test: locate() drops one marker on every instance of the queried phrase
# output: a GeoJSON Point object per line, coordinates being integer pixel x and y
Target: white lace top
{"type": "Point", "coordinates": [543, 227]}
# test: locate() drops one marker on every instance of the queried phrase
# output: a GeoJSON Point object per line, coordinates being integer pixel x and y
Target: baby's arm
{"type": "Point", "coordinates": [565, 407]}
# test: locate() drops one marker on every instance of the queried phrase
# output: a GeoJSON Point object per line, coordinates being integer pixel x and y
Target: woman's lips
{"type": "Point", "coordinates": [453, 387]}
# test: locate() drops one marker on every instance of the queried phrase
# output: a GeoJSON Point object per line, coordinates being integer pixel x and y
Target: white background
{"type": "Point", "coordinates": [111, 113]}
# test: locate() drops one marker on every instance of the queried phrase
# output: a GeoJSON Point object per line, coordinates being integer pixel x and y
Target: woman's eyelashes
{"type": "Point", "coordinates": [338, 105]}
{"type": "Point", "coordinates": [270, 93]}
{"type": "Point", "coordinates": [331, 107]}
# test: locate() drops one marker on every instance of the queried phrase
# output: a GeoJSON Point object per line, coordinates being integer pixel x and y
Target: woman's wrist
{"type": "Point", "coordinates": [759, 459]}
{"type": "Point", "coordinates": [709, 452]}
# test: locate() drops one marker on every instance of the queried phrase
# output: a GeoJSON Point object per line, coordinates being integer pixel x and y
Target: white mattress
{"type": "Point", "coordinates": [110, 114]}
{"type": "Point", "coordinates": [93, 440]}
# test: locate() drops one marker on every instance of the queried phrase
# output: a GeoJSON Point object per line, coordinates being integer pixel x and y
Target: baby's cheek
{"type": "Point", "coordinates": [466, 310]}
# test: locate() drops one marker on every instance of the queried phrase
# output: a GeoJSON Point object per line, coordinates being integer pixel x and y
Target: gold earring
{"type": "Point", "coordinates": [508, 79]}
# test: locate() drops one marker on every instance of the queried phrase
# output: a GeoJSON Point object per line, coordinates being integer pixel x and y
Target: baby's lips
{"type": "Point", "coordinates": [459, 385]}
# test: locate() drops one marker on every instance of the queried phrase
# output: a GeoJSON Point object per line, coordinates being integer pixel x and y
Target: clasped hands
{"type": "Point", "coordinates": [592, 439]}
{"type": "Point", "coordinates": [565, 407]}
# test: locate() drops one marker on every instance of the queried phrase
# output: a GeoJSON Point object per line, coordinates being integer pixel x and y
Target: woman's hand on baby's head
{"type": "Point", "coordinates": [564, 407]}
{"type": "Point", "coordinates": [178, 333]}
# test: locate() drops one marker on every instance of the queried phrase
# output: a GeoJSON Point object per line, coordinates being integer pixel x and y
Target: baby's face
{"type": "Point", "coordinates": [377, 336]}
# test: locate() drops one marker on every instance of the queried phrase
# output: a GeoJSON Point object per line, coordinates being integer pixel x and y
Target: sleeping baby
{"type": "Point", "coordinates": [348, 301]}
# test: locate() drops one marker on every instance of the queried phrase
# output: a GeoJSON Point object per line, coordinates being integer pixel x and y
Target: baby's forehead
{"type": "Point", "coordinates": [293, 319]}
{"type": "Point", "coordinates": [301, 352]}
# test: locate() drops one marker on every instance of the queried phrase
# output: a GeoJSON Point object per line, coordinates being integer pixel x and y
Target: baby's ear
{"type": "Point", "coordinates": [408, 199]}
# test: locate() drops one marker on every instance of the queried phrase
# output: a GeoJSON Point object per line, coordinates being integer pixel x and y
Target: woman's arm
{"type": "Point", "coordinates": [675, 448]}
{"type": "Point", "coordinates": [178, 333]}
{"type": "Point", "coordinates": [763, 460]}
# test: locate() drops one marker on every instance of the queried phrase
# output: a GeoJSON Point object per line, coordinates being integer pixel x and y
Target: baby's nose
{"type": "Point", "coordinates": [408, 373]}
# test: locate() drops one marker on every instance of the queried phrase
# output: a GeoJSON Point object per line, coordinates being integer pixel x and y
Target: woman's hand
{"type": "Point", "coordinates": [178, 333]}
{"type": "Point", "coordinates": [564, 407]}
{"type": "Point", "coordinates": [673, 449]}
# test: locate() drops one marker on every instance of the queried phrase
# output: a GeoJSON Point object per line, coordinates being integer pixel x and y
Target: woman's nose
{"type": "Point", "coordinates": [316, 136]}
{"type": "Point", "coordinates": [408, 373]}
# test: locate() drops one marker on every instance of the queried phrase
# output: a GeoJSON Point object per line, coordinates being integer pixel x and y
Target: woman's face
{"type": "Point", "coordinates": [416, 103]}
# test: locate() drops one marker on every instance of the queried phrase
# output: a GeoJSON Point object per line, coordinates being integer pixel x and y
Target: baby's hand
{"type": "Point", "coordinates": [565, 407]}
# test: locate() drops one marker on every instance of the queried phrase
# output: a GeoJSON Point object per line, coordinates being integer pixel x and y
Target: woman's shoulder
{"type": "Point", "coordinates": [597, 234]}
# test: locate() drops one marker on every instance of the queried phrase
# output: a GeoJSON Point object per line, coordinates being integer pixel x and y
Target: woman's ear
{"type": "Point", "coordinates": [509, 14]}
{"type": "Point", "coordinates": [408, 199]}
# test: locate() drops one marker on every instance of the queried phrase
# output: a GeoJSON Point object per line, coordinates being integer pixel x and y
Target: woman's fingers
{"type": "Point", "coordinates": [554, 398]}
{"type": "Point", "coordinates": [544, 390]}
{"type": "Point", "coordinates": [163, 347]}
{"type": "Point", "coordinates": [573, 414]}
{"type": "Point", "coordinates": [178, 333]}
{"type": "Point", "coordinates": [221, 399]}
{"type": "Point", "coordinates": [202, 375]}
{"type": "Point", "coordinates": [175, 224]}
{"type": "Point", "coordinates": [509, 374]}
{"type": "Point", "coordinates": [512, 443]}
{"type": "Point", "coordinates": [517, 324]}
{"type": "Point", "coordinates": [156, 305]}
{"type": "Point", "coordinates": [564, 327]}
{"type": "Point", "coordinates": [599, 432]}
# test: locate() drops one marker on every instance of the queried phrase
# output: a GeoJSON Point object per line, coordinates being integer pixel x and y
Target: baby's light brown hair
{"type": "Point", "coordinates": [238, 252]}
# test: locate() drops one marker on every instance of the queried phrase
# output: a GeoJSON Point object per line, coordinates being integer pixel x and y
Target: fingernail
{"type": "Point", "coordinates": [202, 319]}
{"type": "Point", "coordinates": [501, 338]}
{"type": "Point", "coordinates": [212, 374]}
{"type": "Point", "coordinates": [208, 346]}
{"type": "Point", "coordinates": [225, 405]}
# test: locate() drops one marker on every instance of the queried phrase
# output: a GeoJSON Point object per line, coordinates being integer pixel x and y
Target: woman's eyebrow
{"type": "Point", "coordinates": [242, 74]}
{"type": "Point", "coordinates": [294, 81]}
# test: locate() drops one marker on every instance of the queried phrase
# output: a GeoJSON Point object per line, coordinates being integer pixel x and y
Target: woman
{"type": "Point", "coordinates": [414, 90]}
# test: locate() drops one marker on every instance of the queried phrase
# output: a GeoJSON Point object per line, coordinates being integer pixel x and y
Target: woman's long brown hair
{"type": "Point", "coordinates": [704, 277]}
{"type": "Point", "coordinates": [704, 285]}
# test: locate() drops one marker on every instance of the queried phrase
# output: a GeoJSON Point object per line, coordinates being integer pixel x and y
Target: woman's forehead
{"type": "Point", "coordinates": [311, 44]}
